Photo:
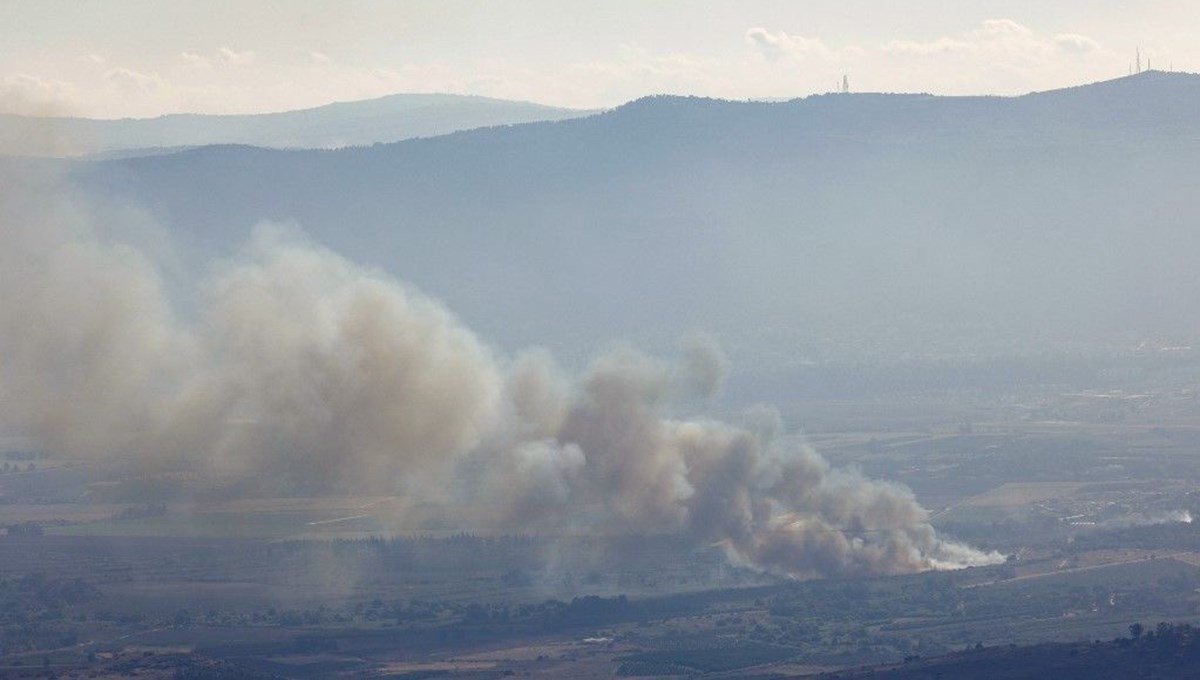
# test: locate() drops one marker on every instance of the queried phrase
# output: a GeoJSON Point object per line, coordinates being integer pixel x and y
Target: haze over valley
{"type": "Point", "coordinates": [455, 385]}
{"type": "Point", "coordinates": [822, 228]}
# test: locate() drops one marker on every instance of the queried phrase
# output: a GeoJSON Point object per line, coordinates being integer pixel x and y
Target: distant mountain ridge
{"type": "Point", "coordinates": [1166, 101]}
{"type": "Point", "coordinates": [860, 225]}
{"type": "Point", "coordinates": [358, 123]}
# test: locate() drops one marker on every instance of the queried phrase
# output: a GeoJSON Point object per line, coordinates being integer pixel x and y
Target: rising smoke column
{"type": "Point", "coordinates": [770, 504]}
{"type": "Point", "coordinates": [300, 370]}
{"type": "Point", "coordinates": [339, 375]}
{"type": "Point", "coordinates": [307, 372]}
{"type": "Point", "coordinates": [89, 350]}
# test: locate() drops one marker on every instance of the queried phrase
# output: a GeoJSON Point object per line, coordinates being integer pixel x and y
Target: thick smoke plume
{"type": "Point", "coordinates": [301, 369]}
{"type": "Point", "coordinates": [299, 365]}
{"type": "Point", "coordinates": [770, 504]}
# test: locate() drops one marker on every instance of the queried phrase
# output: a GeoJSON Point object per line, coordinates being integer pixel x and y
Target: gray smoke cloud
{"type": "Point", "coordinates": [341, 376]}
{"type": "Point", "coordinates": [300, 364]}
{"type": "Point", "coordinates": [771, 504]}
{"type": "Point", "coordinates": [703, 367]}
{"type": "Point", "coordinates": [86, 336]}
{"type": "Point", "coordinates": [303, 369]}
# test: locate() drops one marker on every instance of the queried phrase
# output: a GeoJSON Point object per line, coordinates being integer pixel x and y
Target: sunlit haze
{"type": "Point", "coordinates": [129, 58]}
{"type": "Point", "coordinates": [610, 339]}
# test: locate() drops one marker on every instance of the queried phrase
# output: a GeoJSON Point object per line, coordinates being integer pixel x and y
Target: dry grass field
{"type": "Point", "coordinates": [1023, 493]}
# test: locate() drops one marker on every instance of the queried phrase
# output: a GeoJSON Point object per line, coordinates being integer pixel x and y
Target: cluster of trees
{"type": "Point", "coordinates": [1180, 639]}
{"type": "Point", "coordinates": [1172, 536]}
{"type": "Point", "coordinates": [33, 614]}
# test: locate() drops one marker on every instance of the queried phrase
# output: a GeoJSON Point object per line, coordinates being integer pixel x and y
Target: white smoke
{"type": "Point", "coordinates": [347, 380]}
{"type": "Point", "coordinates": [305, 371]}
{"type": "Point", "coordinates": [1147, 519]}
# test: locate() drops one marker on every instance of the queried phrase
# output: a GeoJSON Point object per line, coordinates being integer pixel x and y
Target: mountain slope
{"type": "Point", "coordinates": [833, 226]}
{"type": "Point", "coordinates": [387, 119]}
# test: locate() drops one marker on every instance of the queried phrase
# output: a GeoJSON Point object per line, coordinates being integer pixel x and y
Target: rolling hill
{"type": "Point", "coordinates": [358, 123]}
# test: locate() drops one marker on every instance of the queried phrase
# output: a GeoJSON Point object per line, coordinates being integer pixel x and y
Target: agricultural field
{"type": "Point", "coordinates": [328, 587]}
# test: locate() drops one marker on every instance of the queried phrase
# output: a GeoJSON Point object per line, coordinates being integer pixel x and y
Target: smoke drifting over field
{"type": "Point", "coordinates": [1147, 519]}
{"type": "Point", "coordinates": [301, 366]}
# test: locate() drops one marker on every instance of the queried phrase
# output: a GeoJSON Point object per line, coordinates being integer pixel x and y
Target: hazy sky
{"type": "Point", "coordinates": [145, 57]}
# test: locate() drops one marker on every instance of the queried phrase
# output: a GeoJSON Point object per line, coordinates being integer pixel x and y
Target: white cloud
{"type": "Point", "coordinates": [999, 55]}
{"type": "Point", "coordinates": [780, 45]}
{"type": "Point", "coordinates": [1001, 29]}
{"type": "Point", "coordinates": [1002, 54]}
{"type": "Point", "coordinates": [225, 55]}
{"type": "Point", "coordinates": [997, 36]}
{"type": "Point", "coordinates": [129, 81]}
{"type": "Point", "coordinates": [31, 95]}
{"type": "Point", "coordinates": [196, 60]}
{"type": "Point", "coordinates": [233, 57]}
{"type": "Point", "coordinates": [998, 43]}
{"type": "Point", "coordinates": [939, 46]}
{"type": "Point", "coordinates": [1075, 43]}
